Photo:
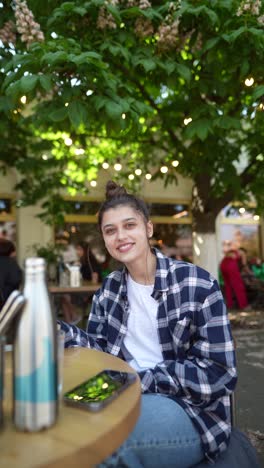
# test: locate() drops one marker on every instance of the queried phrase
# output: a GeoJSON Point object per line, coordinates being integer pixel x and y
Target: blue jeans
{"type": "Point", "coordinates": [164, 436]}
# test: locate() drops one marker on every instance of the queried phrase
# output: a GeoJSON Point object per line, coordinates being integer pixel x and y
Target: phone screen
{"type": "Point", "coordinates": [100, 389]}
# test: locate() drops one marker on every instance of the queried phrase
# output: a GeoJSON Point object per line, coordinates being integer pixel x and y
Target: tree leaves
{"type": "Point", "coordinates": [85, 57]}
{"type": "Point", "coordinates": [77, 113]}
{"type": "Point", "coordinates": [54, 58]}
{"type": "Point", "coordinates": [119, 86]}
{"type": "Point", "coordinates": [46, 82]}
{"type": "Point", "coordinates": [258, 92]}
{"type": "Point", "coordinates": [200, 128]}
{"type": "Point", "coordinates": [227, 122]}
{"type": "Point", "coordinates": [184, 71]}
{"type": "Point", "coordinates": [28, 83]}
{"type": "Point", "coordinates": [59, 114]}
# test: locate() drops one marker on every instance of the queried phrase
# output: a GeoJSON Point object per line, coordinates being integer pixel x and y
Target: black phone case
{"type": "Point", "coordinates": [97, 406]}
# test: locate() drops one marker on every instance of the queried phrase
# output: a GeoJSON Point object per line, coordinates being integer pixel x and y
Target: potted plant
{"type": "Point", "coordinates": [51, 254]}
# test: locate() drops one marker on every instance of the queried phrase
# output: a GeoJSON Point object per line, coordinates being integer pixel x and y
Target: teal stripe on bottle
{"type": "Point", "coordinates": [40, 385]}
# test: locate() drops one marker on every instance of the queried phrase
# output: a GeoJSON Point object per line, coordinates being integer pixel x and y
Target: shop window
{"type": "Point", "coordinates": [174, 210]}
{"type": "Point", "coordinates": [242, 235]}
{"type": "Point", "coordinates": [83, 207]}
{"type": "Point", "coordinates": [5, 206]}
{"type": "Point", "coordinates": [175, 240]}
{"type": "Point", "coordinates": [241, 212]}
{"type": "Point", "coordinates": [240, 226]}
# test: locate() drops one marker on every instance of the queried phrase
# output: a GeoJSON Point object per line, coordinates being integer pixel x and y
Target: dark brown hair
{"type": "Point", "coordinates": [116, 195]}
{"type": "Point", "coordinates": [6, 247]}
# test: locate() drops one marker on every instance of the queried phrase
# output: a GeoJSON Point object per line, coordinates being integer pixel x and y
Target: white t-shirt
{"type": "Point", "coordinates": [141, 340]}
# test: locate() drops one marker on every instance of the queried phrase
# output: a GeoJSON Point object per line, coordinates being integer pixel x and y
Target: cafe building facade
{"type": "Point", "coordinates": [170, 213]}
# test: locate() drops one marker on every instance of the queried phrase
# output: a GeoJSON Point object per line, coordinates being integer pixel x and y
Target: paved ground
{"type": "Point", "coordinates": [248, 331]}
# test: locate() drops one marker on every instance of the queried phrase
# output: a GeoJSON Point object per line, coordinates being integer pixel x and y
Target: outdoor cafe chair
{"type": "Point", "coordinates": [240, 452]}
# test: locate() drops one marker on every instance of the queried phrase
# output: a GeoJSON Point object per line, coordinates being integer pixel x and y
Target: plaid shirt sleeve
{"type": "Point", "coordinates": [94, 337]}
{"type": "Point", "coordinates": [208, 371]}
{"type": "Point", "coordinates": [74, 336]}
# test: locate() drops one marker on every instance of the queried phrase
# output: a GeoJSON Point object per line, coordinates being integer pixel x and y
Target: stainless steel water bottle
{"type": "Point", "coordinates": [35, 354]}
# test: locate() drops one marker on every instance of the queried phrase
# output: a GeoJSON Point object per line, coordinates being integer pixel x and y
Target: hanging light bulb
{"type": "Point", "coordinates": [138, 172]}
{"type": "Point", "coordinates": [68, 141]}
{"type": "Point", "coordinates": [249, 81]}
{"type": "Point", "coordinates": [175, 163]}
{"type": "Point", "coordinates": [79, 151]}
{"type": "Point", "coordinates": [187, 120]}
{"type": "Point", "coordinates": [164, 169]}
{"type": "Point", "coordinates": [131, 176]}
{"type": "Point", "coordinates": [105, 165]}
{"type": "Point", "coordinates": [148, 176]}
{"type": "Point", "coordinates": [93, 183]}
{"type": "Point", "coordinates": [118, 166]}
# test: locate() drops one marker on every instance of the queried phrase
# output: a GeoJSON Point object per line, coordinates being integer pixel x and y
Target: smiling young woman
{"type": "Point", "coordinates": [168, 320]}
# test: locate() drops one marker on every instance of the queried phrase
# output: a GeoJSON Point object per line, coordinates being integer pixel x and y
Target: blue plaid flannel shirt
{"type": "Point", "coordinates": [199, 368]}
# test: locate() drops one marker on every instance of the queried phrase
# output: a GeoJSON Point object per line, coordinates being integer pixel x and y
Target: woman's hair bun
{"type": "Point", "coordinates": [114, 190]}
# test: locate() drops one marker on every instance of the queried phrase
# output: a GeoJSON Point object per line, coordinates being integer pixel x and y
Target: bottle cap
{"type": "Point", "coordinates": [33, 264]}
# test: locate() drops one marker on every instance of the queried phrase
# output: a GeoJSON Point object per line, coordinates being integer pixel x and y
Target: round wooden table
{"type": "Point", "coordinates": [79, 438]}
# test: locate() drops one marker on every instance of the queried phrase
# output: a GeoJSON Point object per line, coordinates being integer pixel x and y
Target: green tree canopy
{"type": "Point", "coordinates": [154, 83]}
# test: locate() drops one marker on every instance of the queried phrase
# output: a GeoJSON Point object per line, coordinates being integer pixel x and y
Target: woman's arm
{"type": "Point", "coordinates": [94, 337]}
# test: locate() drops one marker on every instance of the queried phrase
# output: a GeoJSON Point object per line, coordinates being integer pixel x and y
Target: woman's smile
{"type": "Point", "coordinates": [125, 247]}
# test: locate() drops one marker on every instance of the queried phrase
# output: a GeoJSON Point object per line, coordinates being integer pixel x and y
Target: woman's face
{"type": "Point", "coordinates": [126, 234]}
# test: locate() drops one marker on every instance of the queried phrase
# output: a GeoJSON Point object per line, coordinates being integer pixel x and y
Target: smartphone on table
{"type": "Point", "coordinates": [96, 392]}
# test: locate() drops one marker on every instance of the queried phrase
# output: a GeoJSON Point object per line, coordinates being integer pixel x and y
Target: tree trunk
{"type": "Point", "coordinates": [204, 216]}
{"type": "Point", "coordinates": [205, 252]}
{"type": "Point", "coordinates": [205, 209]}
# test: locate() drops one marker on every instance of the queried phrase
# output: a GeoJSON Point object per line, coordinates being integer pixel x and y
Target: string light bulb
{"type": "Point", "coordinates": [148, 176]}
{"type": "Point", "coordinates": [79, 151]}
{"type": "Point", "coordinates": [117, 166]}
{"type": "Point", "coordinates": [93, 183]}
{"type": "Point", "coordinates": [105, 165]}
{"type": "Point", "coordinates": [249, 81]}
{"type": "Point", "coordinates": [164, 169]}
{"type": "Point", "coordinates": [68, 141]}
{"type": "Point", "coordinates": [175, 163]}
{"type": "Point", "coordinates": [131, 177]}
{"type": "Point", "coordinates": [138, 172]}
{"type": "Point", "coordinates": [187, 120]}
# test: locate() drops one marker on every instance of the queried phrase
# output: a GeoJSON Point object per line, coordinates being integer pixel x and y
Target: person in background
{"type": "Point", "coordinates": [244, 263]}
{"type": "Point", "coordinates": [10, 272]}
{"type": "Point", "coordinates": [168, 320]}
{"type": "Point", "coordinates": [257, 267]}
{"type": "Point", "coordinates": [90, 268]}
{"type": "Point", "coordinates": [233, 282]}
{"type": "Point", "coordinates": [3, 234]}
{"type": "Point", "coordinates": [67, 249]}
